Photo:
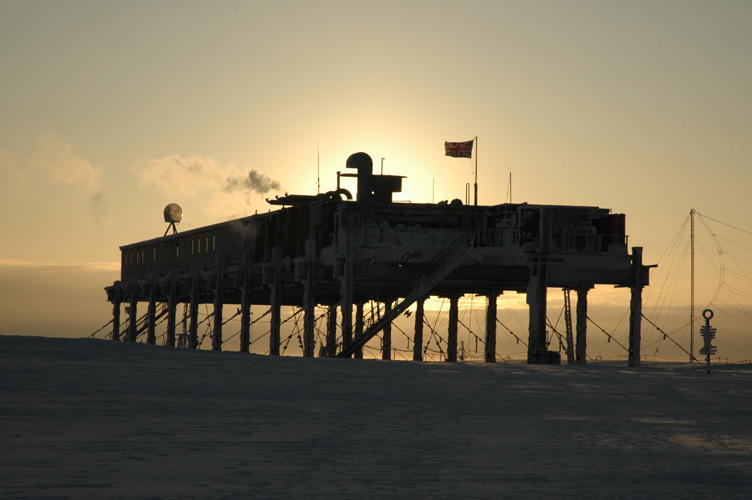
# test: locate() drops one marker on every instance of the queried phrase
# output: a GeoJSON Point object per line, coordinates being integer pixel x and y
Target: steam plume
{"type": "Point", "coordinates": [253, 182]}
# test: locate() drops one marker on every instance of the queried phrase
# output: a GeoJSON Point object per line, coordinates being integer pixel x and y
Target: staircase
{"type": "Point", "coordinates": [417, 287]}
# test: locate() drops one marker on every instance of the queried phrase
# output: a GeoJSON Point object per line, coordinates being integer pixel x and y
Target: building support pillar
{"type": "Point", "coordinates": [245, 303]}
{"type": "Point", "coordinates": [346, 293]}
{"type": "Point", "coordinates": [386, 334]}
{"type": "Point", "coordinates": [580, 353]}
{"type": "Point", "coordinates": [635, 308]}
{"type": "Point", "coordinates": [193, 324]}
{"type": "Point", "coordinates": [537, 350]}
{"type": "Point", "coordinates": [133, 312]}
{"type": "Point", "coordinates": [151, 313]}
{"type": "Point", "coordinates": [219, 271]}
{"type": "Point", "coordinates": [330, 349]}
{"type": "Point", "coordinates": [452, 333]}
{"type": "Point", "coordinates": [491, 328]}
{"type": "Point", "coordinates": [116, 301]}
{"type": "Point", "coordinates": [172, 305]}
{"type": "Point", "coordinates": [276, 302]}
{"type": "Point", "coordinates": [418, 339]}
{"type": "Point", "coordinates": [358, 328]}
{"type": "Point", "coordinates": [309, 299]}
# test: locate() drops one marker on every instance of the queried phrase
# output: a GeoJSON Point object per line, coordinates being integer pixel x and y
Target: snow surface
{"type": "Point", "coordinates": [101, 419]}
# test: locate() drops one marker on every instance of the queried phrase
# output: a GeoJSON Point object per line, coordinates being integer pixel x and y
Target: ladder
{"type": "Point", "coordinates": [417, 287]}
{"type": "Point", "coordinates": [568, 322]}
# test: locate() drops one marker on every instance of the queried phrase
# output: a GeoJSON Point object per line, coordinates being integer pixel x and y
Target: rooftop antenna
{"type": "Point", "coordinates": [510, 186]}
{"type": "Point", "coordinates": [318, 170]}
{"type": "Point", "coordinates": [382, 166]}
{"type": "Point", "coordinates": [173, 214]}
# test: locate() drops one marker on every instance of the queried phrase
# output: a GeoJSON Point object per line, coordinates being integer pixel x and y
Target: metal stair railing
{"type": "Point", "coordinates": [418, 286]}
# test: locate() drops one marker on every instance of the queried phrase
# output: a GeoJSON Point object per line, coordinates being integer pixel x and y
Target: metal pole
{"type": "Point", "coordinates": [692, 285]}
{"type": "Point", "coordinates": [476, 171]}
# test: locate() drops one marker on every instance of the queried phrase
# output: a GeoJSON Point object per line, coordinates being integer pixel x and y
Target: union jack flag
{"type": "Point", "coordinates": [459, 149]}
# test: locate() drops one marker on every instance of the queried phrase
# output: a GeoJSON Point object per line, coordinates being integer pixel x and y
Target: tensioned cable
{"type": "Point", "coordinates": [249, 325]}
{"type": "Point", "coordinates": [666, 335]}
{"type": "Point", "coordinates": [610, 337]}
{"type": "Point", "coordinates": [723, 223]}
{"type": "Point", "coordinates": [102, 328]}
{"type": "Point", "coordinates": [510, 331]}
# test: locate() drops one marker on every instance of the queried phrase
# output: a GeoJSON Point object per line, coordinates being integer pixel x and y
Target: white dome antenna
{"type": "Point", "coordinates": [173, 214]}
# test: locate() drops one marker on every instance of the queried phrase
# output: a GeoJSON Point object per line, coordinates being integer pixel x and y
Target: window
{"type": "Point", "coordinates": [192, 245]}
{"type": "Point", "coordinates": [155, 255]}
{"type": "Point", "coordinates": [214, 243]}
{"type": "Point", "coordinates": [207, 244]}
{"type": "Point", "coordinates": [177, 251]}
{"type": "Point", "coordinates": [199, 245]}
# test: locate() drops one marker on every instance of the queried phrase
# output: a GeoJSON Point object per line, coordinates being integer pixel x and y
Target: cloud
{"type": "Point", "coordinates": [55, 162]}
{"type": "Point", "coordinates": [99, 206]}
{"type": "Point", "coordinates": [54, 171]}
{"type": "Point", "coordinates": [218, 188]}
{"type": "Point", "coordinates": [66, 268]}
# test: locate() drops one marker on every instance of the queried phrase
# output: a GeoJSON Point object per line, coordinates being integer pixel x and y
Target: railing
{"type": "Point", "coordinates": [416, 287]}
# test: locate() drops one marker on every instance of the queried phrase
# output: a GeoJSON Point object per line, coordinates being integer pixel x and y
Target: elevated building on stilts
{"type": "Point", "coordinates": [329, 250]}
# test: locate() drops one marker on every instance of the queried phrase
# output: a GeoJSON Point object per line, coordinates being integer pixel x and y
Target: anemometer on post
{"type": "Point", "coordinates": [708, 334]}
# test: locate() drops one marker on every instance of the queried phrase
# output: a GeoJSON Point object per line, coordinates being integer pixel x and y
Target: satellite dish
{"type": "Point", "coordinates": [173, 214]}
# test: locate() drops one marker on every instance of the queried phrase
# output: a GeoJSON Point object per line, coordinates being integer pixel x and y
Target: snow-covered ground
{"type": "Point", "coordinates": [100, 419]}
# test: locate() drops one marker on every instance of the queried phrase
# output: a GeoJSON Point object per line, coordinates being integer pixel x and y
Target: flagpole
{"type": "Point", "coordinates": [476, 170]}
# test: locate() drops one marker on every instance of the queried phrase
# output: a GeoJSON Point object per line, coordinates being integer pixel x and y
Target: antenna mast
{"type": "Point", "coordinates": [318, 170]}
{"type": "Point", "coordinates": [692, 285]}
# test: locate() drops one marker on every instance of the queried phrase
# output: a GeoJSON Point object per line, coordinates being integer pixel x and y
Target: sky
{"type": "Point", "coordinates": [111, 110]}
